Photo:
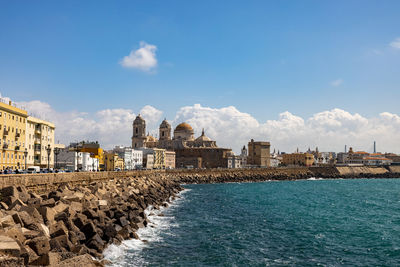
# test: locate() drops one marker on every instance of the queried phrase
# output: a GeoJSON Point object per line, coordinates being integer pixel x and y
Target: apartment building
{"type": "Point", "coordinates": [40, 142]}
{"type": "Point", "coordinates": [12, 136]}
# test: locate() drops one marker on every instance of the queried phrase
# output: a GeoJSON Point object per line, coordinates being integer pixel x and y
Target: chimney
{"type": "Point", "coordinates": [9, 102]}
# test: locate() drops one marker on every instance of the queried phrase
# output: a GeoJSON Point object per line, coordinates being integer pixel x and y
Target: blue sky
{"type": "Point", "coordinates": [263, 57]}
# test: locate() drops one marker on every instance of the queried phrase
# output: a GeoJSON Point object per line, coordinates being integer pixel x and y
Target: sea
{"type": "Point", "coordinates": [316, 222]}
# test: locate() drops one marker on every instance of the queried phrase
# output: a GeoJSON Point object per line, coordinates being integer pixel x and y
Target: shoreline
{"type": "Point", "coordinates": [72, 222]}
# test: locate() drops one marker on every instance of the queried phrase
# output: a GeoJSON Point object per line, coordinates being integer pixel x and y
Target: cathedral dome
{"type": "Point", "coordinates": [202, 138]}
{"type": "Point", "coordinates": [183, 127]}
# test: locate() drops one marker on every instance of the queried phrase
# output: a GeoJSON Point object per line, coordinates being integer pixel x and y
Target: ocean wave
{"type": "Point", "coordinates": [158, 223]}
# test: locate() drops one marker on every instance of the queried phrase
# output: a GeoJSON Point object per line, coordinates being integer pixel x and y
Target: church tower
{"type": "Point", "coordinates": [165, 130]}
{"type": "Point", "coordinates": [139, 132]}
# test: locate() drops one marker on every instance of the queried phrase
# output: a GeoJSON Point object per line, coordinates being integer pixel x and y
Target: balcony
{"type": "Point", "coordinates": [37, 140]}
{"type": "Point", "coordinates": [37, 152]}
{"type": "Point", "coordinates": [17, 135]}
{"type": "Point", "coordinates": [5, 132]}
{"type": "Point", "coordinates": [38, 131]}
{"type": "Point", "coordinates": [5, 146]}
{"type": "Point", "coordinates": [17, 148]}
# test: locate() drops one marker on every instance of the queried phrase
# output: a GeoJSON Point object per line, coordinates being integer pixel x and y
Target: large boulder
{"type": "Point", "coordinates": [9, 246]}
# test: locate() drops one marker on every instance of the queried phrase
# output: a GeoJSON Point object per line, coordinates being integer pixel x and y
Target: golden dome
{"type": "Point", "coordinates": [183, 127]}
{"type": "Point", "coordinates": [151, 138]}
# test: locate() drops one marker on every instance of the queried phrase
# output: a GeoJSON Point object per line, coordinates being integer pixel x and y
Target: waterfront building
{"type": "Point", "coordinates": [72, 160]}
{"type": "Point", "coordinates": [259, 154]}
{"type": "Point", "coordinates": [148, 161]}
{"type": "Point", "coordinates": [12, 136]}
{"type": "Point", "coordinates": [133, 158]}
{"type": "Point", "coordinates": [159, 156]}
{"type": "Point", "coordinates": [113, 162]}
{"type": "Point", "coordinates": [40, 141]}
{"type": "Point", "coordinates": [299, 159]}
{"type": "Point", "coordinates": [234, 162]}
{"type": "Point", "coordinates": [170, 159]}
{"type": "Point", "coordinates": [243, 157]}
{"type": "Point", "coordinates": [93, 148]}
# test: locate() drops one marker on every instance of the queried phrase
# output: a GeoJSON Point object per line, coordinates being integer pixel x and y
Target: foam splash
{"type": "Point", "coordinates": [159, 222]}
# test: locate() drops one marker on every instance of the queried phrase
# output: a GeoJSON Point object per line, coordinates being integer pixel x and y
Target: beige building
{"type": "Point", "coordinates": [12, 136]}
{"type": "Point", "coordinates": [300, 159]}
{"type": "Point", "coordinates": [159, 157]}
{"type": "Point", "coordinates": [169, 159]}
{"type": "Point", "coordinates": [259, 154]}
{"type": "Point", "coordinates": [39, 142]}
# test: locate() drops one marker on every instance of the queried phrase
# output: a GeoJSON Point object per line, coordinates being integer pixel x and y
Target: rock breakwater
{"type": "Point", "coordinates": [69, 226]}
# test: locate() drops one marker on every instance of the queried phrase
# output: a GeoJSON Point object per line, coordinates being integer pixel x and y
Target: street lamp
{"type": "Point", "coordinates": [56, 152]}
{"type": "Point", "coordinates": [48, 156]}
{"type": "Point", "coordinates": [26, 155]}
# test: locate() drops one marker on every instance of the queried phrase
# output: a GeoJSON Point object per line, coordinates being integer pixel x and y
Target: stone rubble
{"type": "Point", "coordinates": [73, 225]}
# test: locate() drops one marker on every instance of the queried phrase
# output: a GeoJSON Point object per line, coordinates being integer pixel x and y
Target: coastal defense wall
{"type": "Point", "coordinates": [394, 169]}
{"type": "Point", "coordinates": [49, 181]}
{"type": "Point", "coordinates": [361, 170]}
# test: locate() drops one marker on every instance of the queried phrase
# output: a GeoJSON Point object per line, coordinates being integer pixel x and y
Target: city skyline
{"type": "Point", "coordinates": [300, 74]}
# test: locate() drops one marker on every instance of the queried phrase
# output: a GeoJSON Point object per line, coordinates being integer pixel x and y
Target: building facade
{"type": "Point", "coordinates": [113, 162]}
{"type": "Point", "coordinates": [299, 159]}
{"type": "Point", "coordinates": [170, 159]}
{"type": "Point", "coordinates": [259, 154]}
{"type": "Point", "coordinates": [40, 141]}
{"type": "Point", "coordinates": [133, 158]}
{"type": "Point", "coordinates": [13, 136]}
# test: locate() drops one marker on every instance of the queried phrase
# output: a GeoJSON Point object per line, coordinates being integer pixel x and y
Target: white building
{"type": "Point", "coordinates": [76, 161]}
{"type": "Point", "coordinates": [133, 158]}
{"type": "Point", "coordinates": [234, 162]}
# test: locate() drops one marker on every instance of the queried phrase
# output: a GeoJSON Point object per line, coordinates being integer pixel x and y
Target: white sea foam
{"type": "Point", "coordinates": [159, 222]}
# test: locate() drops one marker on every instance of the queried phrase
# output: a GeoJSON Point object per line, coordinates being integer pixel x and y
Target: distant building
{"type": "Point", "coordinates": [170, 159]}
{"type": "Point", "coordinates": [93, 148]}
{"type": "Point", "coordinates": [72, 160]}
{"type": "Point", "coordinates": [148, 161]}
{"type": "Point", "coordinates": [234, 161]}
{"type": "Point", "coordinates": [259, 154]}
{"type": "Point", "coordinates": [299, 159]}
{"type": "Point", "coordinates": [201, 152]}
{"type": "Point", "coordinates": [158, 157]}
{"type": "Point", "coordinates": [133, 158]}
{"type": "Point", "coordinates": [243, 157]}
{"type": "Point", "coordinates": [113, 162]}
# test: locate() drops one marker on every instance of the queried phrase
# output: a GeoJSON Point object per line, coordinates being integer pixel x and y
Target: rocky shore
{"type": "Point", "coordinates": [71, 226]}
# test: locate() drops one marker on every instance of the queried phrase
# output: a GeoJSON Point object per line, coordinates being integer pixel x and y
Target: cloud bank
{"type": "Point", "coordinates": [143, 59]}
{"type": "Point", "coordinates": [329, 130]}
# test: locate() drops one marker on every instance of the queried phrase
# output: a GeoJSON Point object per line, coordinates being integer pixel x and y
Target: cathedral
{"type": "Point", "coordinates": [200, 152]}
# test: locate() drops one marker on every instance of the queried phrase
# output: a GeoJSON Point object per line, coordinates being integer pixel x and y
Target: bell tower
{"type": "Point", "coordinates": [165, 130]}
{"type": "Point", "coordinates": [139, 132]}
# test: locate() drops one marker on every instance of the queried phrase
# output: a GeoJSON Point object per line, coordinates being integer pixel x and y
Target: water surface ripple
{"type": "Point", "coordinates": [294, 223]}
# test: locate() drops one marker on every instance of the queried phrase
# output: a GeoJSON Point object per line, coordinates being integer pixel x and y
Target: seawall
{"type": "Point", "coordinates": [44, 182]}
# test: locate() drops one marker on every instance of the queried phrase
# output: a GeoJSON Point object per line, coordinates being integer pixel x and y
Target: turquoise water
{"type": "Point", "coordinates": [294, 223]}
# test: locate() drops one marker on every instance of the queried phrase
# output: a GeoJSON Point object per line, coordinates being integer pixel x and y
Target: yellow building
{"type": "Point", "coordinates": [301, 159]}
{"type": "Point", "coordinates": [40, 142]}
{"type": "Point", "coordinates": [12, 136]}
{"type": "Point", "coordinates": [112, 162]}
{"type": "Point", "coordinates": [159, 156]}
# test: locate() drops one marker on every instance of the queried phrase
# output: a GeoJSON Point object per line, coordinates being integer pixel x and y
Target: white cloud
{"type": "Point", "coordinates": [337, 82]}
{"type": "Point", "coordinates": [396, 43]}
{"type": "Point", "coordinates": [143, 58]}
{"type": "Point", "coordinates": [329, 130]}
